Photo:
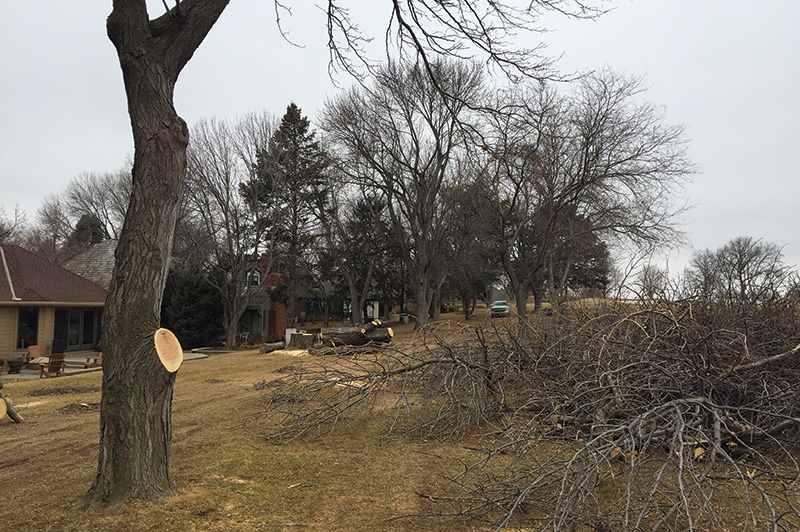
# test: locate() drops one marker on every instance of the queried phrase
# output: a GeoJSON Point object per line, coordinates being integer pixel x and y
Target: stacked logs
{"type": "Point", "coordinates": [351, 340]}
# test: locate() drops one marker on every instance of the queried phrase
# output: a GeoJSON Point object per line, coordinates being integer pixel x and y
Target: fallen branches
{"type": "Point", "coordinates": [609, 418]}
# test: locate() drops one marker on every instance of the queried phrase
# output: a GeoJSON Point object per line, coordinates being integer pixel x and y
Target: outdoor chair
{"type": "Point", "coordinates": [94, 363]}
{"type": "Point", "coordinates": [34, 351]}
{"type": "Point", "coordinates": [53, 367]}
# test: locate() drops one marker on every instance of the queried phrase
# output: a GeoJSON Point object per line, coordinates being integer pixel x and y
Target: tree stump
{"type": "Point", "coordinates": [301, 340]}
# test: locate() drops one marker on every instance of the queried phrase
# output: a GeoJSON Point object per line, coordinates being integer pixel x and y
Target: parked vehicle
{"type": "Point", "coordinates": [500, 309]}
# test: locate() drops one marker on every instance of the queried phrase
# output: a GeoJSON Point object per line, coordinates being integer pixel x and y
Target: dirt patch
{"type": "Point", "coordinates": [62, 390]}
{"type": "Point", "coordinates": [80, 408]}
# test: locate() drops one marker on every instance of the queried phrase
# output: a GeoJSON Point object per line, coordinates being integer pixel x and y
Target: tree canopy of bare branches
{"type": "Point", "coordinates": [230, 235]}
{"type": "Point", "coordinates": [408, 132]}
{"type": "Point", "coordinates": [560, 168]}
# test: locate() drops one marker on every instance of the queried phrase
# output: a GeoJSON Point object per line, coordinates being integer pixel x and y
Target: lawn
{"type": "Point", "coordinates": [226, 475]}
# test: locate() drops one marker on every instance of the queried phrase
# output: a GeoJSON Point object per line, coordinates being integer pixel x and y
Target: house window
{"type": "Point", "coordinates": [27, 327]}
{"type": "Point", "coordinates": [77, 328]}
{"type": "Point", "coordinates": [255, 278]}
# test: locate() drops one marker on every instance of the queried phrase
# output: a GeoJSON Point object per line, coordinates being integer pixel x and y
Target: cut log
{"type": "Point", "coordinates": [7, 408]}
{"type": "Point", "coordinates": [351, 337]}
{"type": "Point", "coordinates": [355, 337]}
{"type": "Point", "coordinates": [381, 335]}
{"type": "Point", "coordinates": [270, 347]}
{"type": "Point", "coordinates": [369, 327]}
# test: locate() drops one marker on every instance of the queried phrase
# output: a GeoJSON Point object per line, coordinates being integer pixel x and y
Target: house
{"type": "Point", "coordinates": [41, 302]}
{"type": "Point", "coordinates": [265, 317]}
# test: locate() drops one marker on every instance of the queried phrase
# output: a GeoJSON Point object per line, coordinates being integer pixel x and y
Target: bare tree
{"type": "Point", "coordinates": [751, 271]}
{"type": "Point", "coordinates": [103, 196]}
{"type": "Point", "coordinates": [49, 236]}
{"type": "Point", "coordinates": [745, 271]}
{"type": "Point", "coordinates": [11, 228]}
{"type": "Point", "coordinates": [473, 263]}
{"type": "Point", "coordinates": [136, 404]}
{"type": "Point", "coordinates": [408, 132]}
{"type": "Point", "coordinates": [600, 155]}
{"type": "Point", "coordinates": [231, 233]}
{"type": "Point", "coordinates": [355, 237]}
{"type": "Point", "coordinates": [137, 391]}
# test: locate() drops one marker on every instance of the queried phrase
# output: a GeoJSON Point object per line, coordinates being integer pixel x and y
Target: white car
{"type": "Point", "coordinates": [500, 309]}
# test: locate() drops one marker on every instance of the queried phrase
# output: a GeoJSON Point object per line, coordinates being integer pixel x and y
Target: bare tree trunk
{"type": "Point", "coordinates": [521, 295]}
{"type": "Point", "coordinates": [230, 324]}
{"type": "Point", "coordinates": [537, 299]}
{"type": "Point", "coordinates": [136, 404]}
{"type": "Point", "coordinates": [364, 294]}
{"type": "Point", "coordinates": [551, 283]}
{"type": "Point", "coordinates": [465, 300]}
{"type": "Point", "coordinates": [423, 295]}
{"type": "Point", "coordinates": [356, 310]}
{"type": "Point", "coordinates": [436, 305]}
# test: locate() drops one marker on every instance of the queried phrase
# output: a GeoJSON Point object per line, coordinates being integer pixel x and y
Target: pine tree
{"type": "Point", "coordinates": [287, 187]}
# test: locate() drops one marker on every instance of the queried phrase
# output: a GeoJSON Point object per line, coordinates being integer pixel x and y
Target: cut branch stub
{"type": "Point", "coordinates": [169, 349]}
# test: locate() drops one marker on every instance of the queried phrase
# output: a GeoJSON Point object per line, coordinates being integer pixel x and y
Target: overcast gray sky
{"type": "Point", "coordinates": [727, 69]}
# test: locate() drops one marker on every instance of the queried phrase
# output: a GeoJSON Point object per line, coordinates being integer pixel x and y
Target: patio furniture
{"type": "Point", "coordinates": [53, 367]}
{"type": "Point", "coordinates": [94, 363]}
{"type": "Point", "coordinates": [34, 351]}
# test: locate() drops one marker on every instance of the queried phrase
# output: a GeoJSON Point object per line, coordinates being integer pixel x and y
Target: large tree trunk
{"type": "Point", "coordinates": [135, 410]}
{"type": "Point", "coordinates": [230, 324]}
{"type": "Point", "coordinates": [537, 298]}
{"type": "Point", "coordinates": [356, 313]}
{"type": "Point", "coordinates": [436, 305]}
{"type": "Point", "coordinates": [521, 295]}
{"type": "Point", "coordinates": [423, 295]}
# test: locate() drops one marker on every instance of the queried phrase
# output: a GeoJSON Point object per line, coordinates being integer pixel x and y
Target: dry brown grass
{"type": "Point", "coordinates": [226, 476]}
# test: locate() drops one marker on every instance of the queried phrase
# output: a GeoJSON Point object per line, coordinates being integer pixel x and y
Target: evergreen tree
{"type": "Point", "coordinates": [88, 230]}
{"type": "Point", "coordinates": [287, 187]}
{"type": "Point", "coordinates": [191, 309]}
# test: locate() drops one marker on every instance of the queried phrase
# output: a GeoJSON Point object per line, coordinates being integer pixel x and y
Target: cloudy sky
{"type": "Point", "coordinates": [727, 69]}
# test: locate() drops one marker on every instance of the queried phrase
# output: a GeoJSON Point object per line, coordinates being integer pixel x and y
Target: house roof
{"type": "Point", "coordinates": [26, 277]}
{"type": "Point", "coordinates": [96, 263]}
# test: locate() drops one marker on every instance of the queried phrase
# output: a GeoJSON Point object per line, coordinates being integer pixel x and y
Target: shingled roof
{"type": "Point", "coordinates": [96, 263]}
{"type": "Point", "coordinates": [25, 277]}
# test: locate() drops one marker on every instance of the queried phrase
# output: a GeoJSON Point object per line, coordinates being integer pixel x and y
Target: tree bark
{"type": "Point", "coordinates": [521, 295]}
{"type": "Point", "coordinates": [136, 404]}
{"type": "Point", "coordinates": [423, 298]}
{"type": "Point", "coordinates": [436, 305]}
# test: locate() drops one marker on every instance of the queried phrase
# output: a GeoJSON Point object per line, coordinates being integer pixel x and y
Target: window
{"type": "Point", "coordinates": [27, 327]}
